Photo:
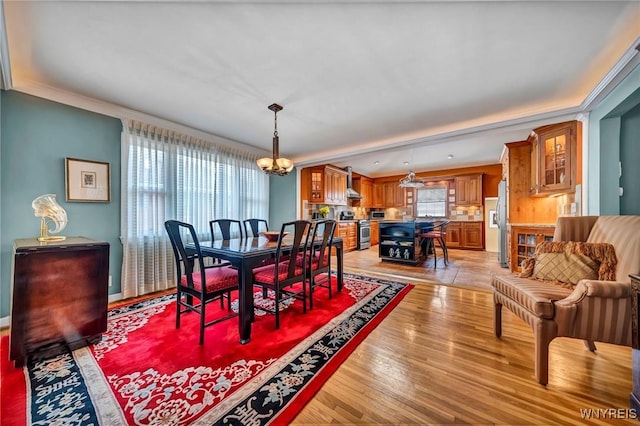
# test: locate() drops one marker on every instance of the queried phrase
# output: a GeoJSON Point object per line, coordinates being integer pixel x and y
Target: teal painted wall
{"type": "Point", "coordinates": [630, 153]}
{"type": "Point", "coordinates": [283, 192]}
{"type": "Point", "coordinates": [37, 135]}
{"type": "Point", "coordinates": [608, 162]}
{"type": "Point", "coordinates": [604, 133]}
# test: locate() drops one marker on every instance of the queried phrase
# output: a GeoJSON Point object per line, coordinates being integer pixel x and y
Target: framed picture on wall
{"type": "Point", "coordinates": [493, 219]}
{"type": "Point", "coordinates": [87, 180]}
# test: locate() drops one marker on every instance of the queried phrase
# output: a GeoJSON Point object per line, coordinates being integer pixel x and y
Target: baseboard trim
{"type": "Point", "coordinates": [115, 297]}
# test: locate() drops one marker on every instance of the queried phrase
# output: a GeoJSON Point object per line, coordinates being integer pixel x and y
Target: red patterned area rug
{"type": "Point", "coordinates": [147, 372]}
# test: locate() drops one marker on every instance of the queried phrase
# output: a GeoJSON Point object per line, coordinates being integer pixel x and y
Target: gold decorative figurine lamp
{"type": "Point", "coordinates": [47, 208]}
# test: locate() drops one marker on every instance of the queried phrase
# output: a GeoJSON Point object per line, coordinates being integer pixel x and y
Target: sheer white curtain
{"type": "Point", "coordinates": [168, 175]}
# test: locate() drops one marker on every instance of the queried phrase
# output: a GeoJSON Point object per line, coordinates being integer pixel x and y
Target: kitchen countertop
{"type": "Point", "coordinates": [430, 220]}
{"type": "Point", "coordinates": [534, 225]}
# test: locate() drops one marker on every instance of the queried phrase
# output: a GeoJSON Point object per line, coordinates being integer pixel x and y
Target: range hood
{"type": "Point", "coordinates": [351, 193]}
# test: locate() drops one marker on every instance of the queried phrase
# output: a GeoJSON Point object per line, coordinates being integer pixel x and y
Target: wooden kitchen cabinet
{"type": "Point", "coordinates": [472, 235]}
{"type": "Point", "coordinates": [375, 232]}
{"type": "Point", "coordinates": [521, 206]}
{"type": "Point", "coordinates": [59, 296]}
{"type": "Point", "coordinates": [453, 239]}
{"type": "Point", "coordinates": [348, 231]}
{"type": "Point", "coordinates": [336, 181]}
{"type": "Point", "coordinates": [393, 195]}
{"type": "Point", "coordinates": [328, 186]}
{"type": "Point", "coordinates": [352, 236]}
{"type": "Point", "coordinates": [363, 186]}
{"type": "Point", "coordinates": [464, 235]}
{"type": "Point", "coordinates": [523, 242]}
{"type": "Point", "coordinates": [468, 190]}
{"type": "Point", "coordinates": [553, 158]}
{"type": "Point", "coordinates": [378, 195]}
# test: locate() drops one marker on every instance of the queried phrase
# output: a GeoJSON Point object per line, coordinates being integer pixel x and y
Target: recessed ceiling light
{"type": "Point", "coordinates": [406, 163]}
{"type": "Point", "coordinates": [450, 156]}
{"type": "Point", "coordinates": [376, 162]}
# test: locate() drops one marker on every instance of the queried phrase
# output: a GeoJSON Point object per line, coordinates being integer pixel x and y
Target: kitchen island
{"type": "Point", "coordinates": [400, 241]}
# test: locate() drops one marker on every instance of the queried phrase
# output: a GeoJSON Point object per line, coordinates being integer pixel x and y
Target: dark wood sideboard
{"type": "Point", "coordinates": [634, 398]}
{"type": "Point", "coordinates": [59, 296]}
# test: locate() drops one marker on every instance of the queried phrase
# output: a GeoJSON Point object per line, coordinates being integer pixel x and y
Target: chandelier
{"type": "Point", "coordinates": [275, 165]}
{"type": "Point", "coordinates": [411, 181]}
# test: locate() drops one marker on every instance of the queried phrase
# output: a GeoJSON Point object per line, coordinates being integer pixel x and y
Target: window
{"type": "Point", "coordinates": [167, 175]}
{"type": "Point", "coordinates": [432, 201]}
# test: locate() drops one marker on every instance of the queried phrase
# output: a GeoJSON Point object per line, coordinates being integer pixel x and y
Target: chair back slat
{"type": "Point", "coordinates": [254, 226]}
{"type": "Point", "coordinates": [176, 230]}
{"type": "Point", "coordinates": [323, 229]}
{"type": "Point", "coordinates": [228, 228]}
{"type": "Point", "coordinates": [300, 239]}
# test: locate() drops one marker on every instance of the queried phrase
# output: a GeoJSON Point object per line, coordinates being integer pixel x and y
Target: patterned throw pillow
{"type": "Point", "coordinates": [577, 258]}
{"type": "Point", "coordinates": [565, 267]}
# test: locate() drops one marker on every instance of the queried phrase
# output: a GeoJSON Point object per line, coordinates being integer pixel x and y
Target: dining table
{"type": "Point", "coordinates": [247, 253]}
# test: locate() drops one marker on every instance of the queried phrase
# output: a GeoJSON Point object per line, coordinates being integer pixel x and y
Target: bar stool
{"type": "Point", "coordinates": [436, 233]}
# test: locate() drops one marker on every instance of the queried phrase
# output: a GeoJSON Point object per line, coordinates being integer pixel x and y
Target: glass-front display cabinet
{"type": "Point", "coordinates": [553, 158]}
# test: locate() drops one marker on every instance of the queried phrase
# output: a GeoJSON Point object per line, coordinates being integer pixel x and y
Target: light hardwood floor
{"type": "Point", "coordinates": [435, 360]}
{"type": "Point", "coordinates": [466, 268]}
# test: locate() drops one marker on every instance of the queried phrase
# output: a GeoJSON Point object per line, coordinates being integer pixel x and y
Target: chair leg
{"type": "Point", "coordinates": [445, 252]}
{"type": "Point", "coordinates": [178, 308]}
{"type": "Point", "coordinates": [544, 334]}
{"type": "Point", "coordinates": [329, 278]}
{"type": "Point", "coordinates": [277, 308]}
{"type": "Point", "coordinates": [435, 256]}
{"type": "Point", "coordinates": [202, 317]}
{"type": "Point", "coordinates": [590, 345]}
{"type": "Point", "coordinates": [497, 319]}
{"type": "Point", "coordinates": [304, 296]}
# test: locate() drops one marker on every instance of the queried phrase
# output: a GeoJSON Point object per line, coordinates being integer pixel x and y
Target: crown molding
{"type": "Point", "coordinates": [629, 60]}
{"type": "Point", "coordinates": [520, 123]}
{"type": "Point", "coordinates": [112, 110]}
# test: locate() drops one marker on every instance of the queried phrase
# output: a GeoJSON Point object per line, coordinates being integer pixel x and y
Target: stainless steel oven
{"type": "Point", "coordinates": [364, 234]}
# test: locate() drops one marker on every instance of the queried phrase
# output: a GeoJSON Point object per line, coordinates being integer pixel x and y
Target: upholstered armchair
{"type": "Point", "coordinates": [592, 309]}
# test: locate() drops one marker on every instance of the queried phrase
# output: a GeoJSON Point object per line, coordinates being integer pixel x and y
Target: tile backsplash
{"type": "Point", "coordinates": [470, 213]}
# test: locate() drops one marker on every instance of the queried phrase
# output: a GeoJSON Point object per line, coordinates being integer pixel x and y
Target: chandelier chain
{"type": "Point", "coordinates": [275, 122]}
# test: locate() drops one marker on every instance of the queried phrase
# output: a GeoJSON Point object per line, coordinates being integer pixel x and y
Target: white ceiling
{"type": "Point", "coordinates": [359, 81]}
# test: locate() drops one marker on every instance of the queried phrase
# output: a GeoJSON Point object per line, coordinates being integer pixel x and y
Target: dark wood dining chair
{"type": "Point", "coordinates": [204, 283]}
{"type": "Point", "coordinates": [255, 226]}
{"type": "Point", "coordinates": [228, 228]}
{"type": "Point", "coordinates": [225, 229]}
{"type": "Point", "coordinates": [286, 270]}
{"type": "Point", "coordinates": [320, 255]}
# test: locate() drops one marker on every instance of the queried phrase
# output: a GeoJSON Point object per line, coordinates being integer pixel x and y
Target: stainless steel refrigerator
{"type": "Point", "coordinates": [501, 218]}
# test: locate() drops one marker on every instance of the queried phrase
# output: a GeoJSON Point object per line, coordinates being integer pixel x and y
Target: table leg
{"type": "Point", "coordinates": [245, 302]}
{"type": "Point", "coordinates": [339, 253]}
